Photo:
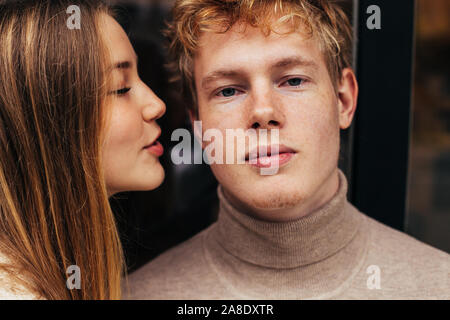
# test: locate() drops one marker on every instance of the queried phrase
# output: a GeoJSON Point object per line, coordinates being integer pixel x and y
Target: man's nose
{"type": "Point", "coordinates": [265, 112]}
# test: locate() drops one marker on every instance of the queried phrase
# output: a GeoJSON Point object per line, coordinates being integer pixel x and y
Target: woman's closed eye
{"type": "Point", "coordinates": [120, 92]}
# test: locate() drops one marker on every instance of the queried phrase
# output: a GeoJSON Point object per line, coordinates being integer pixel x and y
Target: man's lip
{"type": "Point", "coordinates": [270, 150]}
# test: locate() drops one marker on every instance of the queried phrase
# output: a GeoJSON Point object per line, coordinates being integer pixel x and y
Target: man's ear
{"type": "Point", "coordinates": [347, 97]}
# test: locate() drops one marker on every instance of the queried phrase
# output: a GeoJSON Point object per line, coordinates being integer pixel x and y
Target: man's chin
{"type": "Point", "coordinates": [274, 201]}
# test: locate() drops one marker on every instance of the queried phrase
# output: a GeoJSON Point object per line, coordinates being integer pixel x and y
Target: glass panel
{"type": "Point", "coordinates": [428, 215]}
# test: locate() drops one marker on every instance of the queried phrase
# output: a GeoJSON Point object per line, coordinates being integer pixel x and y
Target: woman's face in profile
{"type": "Point", "coordinates": [130, 149]}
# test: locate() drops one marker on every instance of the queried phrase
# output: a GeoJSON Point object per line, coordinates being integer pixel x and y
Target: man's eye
{"type": "Point", "coordinates": [227, 92]}
{"type": "Point", "coordinates": [122, 91]}
{"type": "Point", "coordinates": [295, 82]}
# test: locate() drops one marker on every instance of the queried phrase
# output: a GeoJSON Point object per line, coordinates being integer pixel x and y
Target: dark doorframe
{"type": "Point", "coordinates": [381, 129]}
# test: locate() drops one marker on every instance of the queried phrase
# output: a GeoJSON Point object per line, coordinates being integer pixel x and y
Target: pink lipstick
{"type": "Point", "coordinates": [155, 148]}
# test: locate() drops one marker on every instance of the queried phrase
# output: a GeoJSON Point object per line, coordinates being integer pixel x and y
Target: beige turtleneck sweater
{"type": "Point", "coordinates": [335, 252]}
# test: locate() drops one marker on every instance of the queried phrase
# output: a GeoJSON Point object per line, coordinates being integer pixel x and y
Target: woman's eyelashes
{"type": "Point", "coordinates": [120, 92]}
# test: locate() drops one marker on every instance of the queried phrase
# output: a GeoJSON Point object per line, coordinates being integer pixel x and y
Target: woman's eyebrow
{"type": "Point", "coordinates": [124, 64]}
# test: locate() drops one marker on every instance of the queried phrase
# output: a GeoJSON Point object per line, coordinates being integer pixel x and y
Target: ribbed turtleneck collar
{"type": "Point", "coordinates": [286, 245]}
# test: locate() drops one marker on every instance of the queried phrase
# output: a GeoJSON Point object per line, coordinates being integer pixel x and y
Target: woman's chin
{"type": "Point", "coordinates": [145, 182]}
{"type": "Point", "coordinates": [155, 179]}
{"type": "Point", "coordinates": [151, 183]}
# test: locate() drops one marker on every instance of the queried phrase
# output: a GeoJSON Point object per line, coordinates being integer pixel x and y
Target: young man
{"type": "Point", "coordinates": [282, 65]}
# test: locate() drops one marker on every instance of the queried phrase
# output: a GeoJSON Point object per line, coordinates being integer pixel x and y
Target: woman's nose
{"type": "Point", "coordinates": [154, 107]}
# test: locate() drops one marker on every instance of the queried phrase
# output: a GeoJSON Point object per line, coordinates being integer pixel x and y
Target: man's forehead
{"type": "Point", "coordinates": [242, 42]}
{"type": "Point", "coordinates": [245, 29]}
{"type": "Point", "coordinates": [216, 36]}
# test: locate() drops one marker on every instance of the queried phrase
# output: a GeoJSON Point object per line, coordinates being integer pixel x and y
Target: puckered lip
{"type": "Point", "coordinates": [270, 151]}
{"type": "Point", "coordinates": [154, 140]}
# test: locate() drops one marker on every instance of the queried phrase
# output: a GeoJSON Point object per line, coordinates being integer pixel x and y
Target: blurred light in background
{"type": "Point", "coordinates": [428, 202]}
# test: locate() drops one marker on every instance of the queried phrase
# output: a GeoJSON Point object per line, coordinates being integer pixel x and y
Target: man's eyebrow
{"type": "Point", "coordinates": [219, 74]}
{"type": "Point", "coordinates": [294, 62]}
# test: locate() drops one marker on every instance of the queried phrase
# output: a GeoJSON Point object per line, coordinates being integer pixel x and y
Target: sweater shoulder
{"type": "Point", "coordinates": [399, 246]}
{"type": "Point", "coordinates": [171, 273]}
{"type": "Point", "coordinates": [409, 268]}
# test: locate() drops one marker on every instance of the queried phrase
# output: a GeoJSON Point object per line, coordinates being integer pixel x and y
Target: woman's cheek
{"type": "Point", "coordinates": [125, 126]}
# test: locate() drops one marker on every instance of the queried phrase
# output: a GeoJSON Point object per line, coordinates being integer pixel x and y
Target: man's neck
{"type": "Point", "coordinates": [320, 196]}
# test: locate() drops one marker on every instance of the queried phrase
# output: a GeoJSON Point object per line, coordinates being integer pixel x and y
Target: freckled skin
{"type": "Point", "coordinates": [309, 117]}
{"type": "Point", "coordinates": [130, 121]}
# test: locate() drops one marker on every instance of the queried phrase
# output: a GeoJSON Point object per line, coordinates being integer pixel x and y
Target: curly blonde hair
{"type": "Point", "coordinates": [322, 19]}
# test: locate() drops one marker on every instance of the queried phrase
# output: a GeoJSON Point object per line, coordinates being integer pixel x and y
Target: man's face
{"type": "Point", "coordinates": [246, 80]}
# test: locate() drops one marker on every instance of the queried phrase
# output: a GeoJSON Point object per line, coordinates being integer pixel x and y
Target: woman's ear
{"type": "Point", "coordinates": [347, 97]}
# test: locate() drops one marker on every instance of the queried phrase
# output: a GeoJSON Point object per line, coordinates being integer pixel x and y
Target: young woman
{"type": "Point", "coordinates": [77, 125]}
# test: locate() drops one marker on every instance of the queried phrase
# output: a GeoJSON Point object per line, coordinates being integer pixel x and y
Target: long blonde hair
{"type": "Point", "coordinates": [54, 209]}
